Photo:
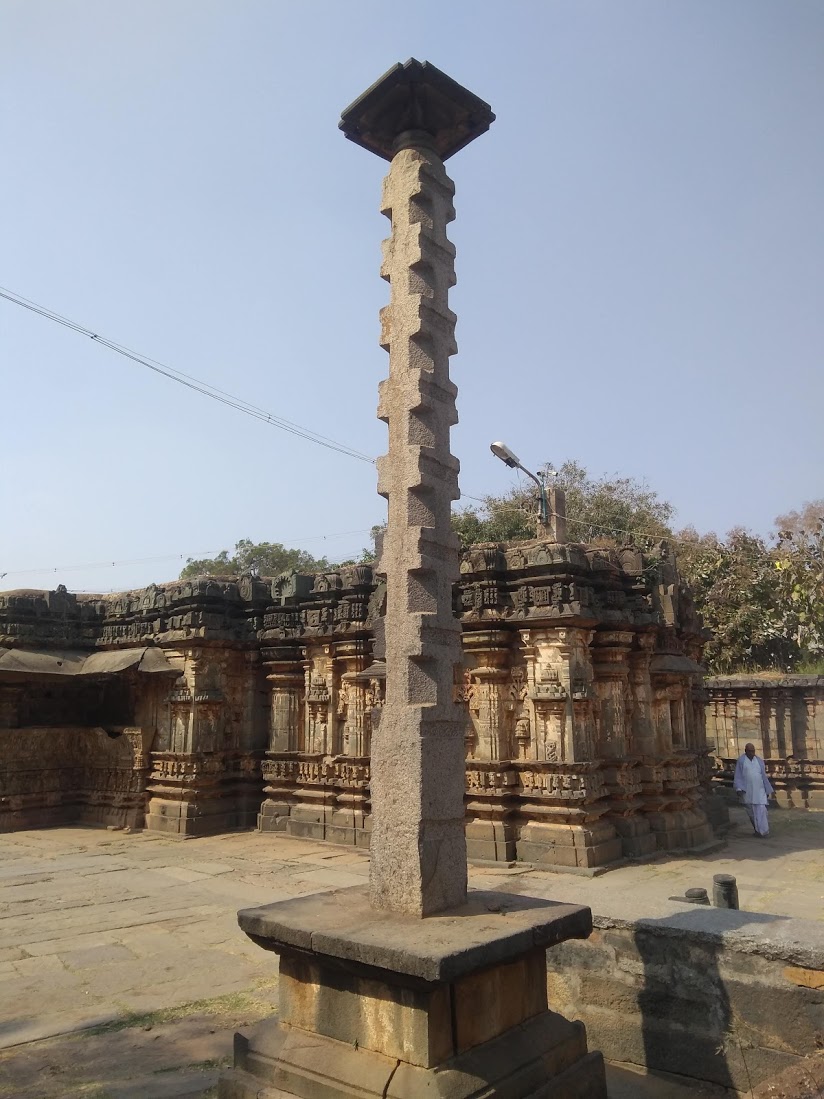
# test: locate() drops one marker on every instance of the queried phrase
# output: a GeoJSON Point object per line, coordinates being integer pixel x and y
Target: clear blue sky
{"type": "Point", "coordinates": [640, 262]}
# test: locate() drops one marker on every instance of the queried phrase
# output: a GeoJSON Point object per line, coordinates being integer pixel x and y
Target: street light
{"type": "Point", "coordinates": [502, 451]}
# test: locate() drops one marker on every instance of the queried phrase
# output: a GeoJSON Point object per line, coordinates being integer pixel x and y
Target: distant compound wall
{"type": "Point", "coordinates": [727, 997]}
{"type": "Point", "coordinates": [784, 718]}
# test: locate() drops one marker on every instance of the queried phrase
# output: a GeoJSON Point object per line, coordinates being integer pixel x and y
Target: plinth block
{"type": "Point", "coordinates": [374, 1003]}
{"type": "Point", "coordinates": [341, 925]}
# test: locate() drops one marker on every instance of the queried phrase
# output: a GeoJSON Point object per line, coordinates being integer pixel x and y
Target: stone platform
{"type": "Point", "coordinates": [379, 1004]}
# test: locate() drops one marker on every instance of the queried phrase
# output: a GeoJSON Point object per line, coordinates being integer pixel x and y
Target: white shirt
{"type": "Point", "coordinates": [754, 791]}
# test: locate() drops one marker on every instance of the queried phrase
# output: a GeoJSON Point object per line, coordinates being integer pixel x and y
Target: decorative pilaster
{"type": "Point", "coordinates": [610, 666]}
{"type": "Point", "coordinates": [285, 678]}
{"type": "Point", "coordinates": [642, 730]}
{"type": "Point", "coordinates": [488, 679]}
{"type": "Point", "coordinates": [353, 699]}
{"type": "Point", "coordinates": [490, 780]}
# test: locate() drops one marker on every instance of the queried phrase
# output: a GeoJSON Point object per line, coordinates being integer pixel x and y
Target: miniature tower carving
{"type": "Point", "coordinates": [416, 117]}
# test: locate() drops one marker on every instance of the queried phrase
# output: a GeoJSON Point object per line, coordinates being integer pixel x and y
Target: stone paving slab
{"type": "Point", "coordinates": [95, 925]}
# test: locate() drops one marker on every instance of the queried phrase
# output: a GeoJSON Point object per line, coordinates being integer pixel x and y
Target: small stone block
{"type": "Point", "coordinates": [806, 978]}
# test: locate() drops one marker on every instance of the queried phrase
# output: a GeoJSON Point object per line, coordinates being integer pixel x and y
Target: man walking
{"type": "Point", "coordinates": [750, 779]}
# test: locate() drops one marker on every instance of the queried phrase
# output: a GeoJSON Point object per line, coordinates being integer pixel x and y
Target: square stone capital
{"type": "Point", "coordinates": [415, 103]}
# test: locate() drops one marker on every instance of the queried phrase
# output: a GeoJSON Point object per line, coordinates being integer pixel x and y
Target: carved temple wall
{"type": "Point", "coordinates": [784, 718]}
{"type": "Point", "coordinates": [584, 700]}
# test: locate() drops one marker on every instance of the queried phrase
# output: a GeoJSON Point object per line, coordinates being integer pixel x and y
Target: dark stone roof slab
{"type": "Point", "coordinates": [411, 103]}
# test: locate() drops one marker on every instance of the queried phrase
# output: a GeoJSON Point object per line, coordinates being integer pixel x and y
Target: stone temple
{"type": "Point", "coordinates": [562, 680]}
{"type": "Point", "coordinates": [204, 706]}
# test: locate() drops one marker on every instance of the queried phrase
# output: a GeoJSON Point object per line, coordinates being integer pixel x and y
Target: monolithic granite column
{"type": "Point", "coordinates": [416, 117]}
{"type": "Point", "coordinates": [374, 1000]}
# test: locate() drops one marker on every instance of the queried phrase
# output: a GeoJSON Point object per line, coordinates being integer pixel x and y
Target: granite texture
{"type": "Point", "coordinates": [491, 928]}
{"type": "Point", "coordinates": [418, 843]}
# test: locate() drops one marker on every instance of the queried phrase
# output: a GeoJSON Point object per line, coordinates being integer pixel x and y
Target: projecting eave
{"type": "Point", "coordinates": [62, 662]}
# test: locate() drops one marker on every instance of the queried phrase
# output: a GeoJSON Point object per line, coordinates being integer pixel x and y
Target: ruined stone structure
{"type": "Point", "coordinates": [784, 718]}
{"type": "Point", "coordinates": [582, 705]}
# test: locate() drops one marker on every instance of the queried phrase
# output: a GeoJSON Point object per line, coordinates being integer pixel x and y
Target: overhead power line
{"type": "Point", "coordinates": [170, 556]}
{"type": "Point", "coordinates": [188, 380]}
{"type": "Point", "coordinates": [240, 405]}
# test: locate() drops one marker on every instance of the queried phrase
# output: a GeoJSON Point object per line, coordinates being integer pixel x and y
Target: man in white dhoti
{"type": "Point", "coordinates": [751, 780]}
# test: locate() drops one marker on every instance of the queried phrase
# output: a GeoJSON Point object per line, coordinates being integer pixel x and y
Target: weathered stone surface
{"type": "Point", "coordinates": [784, 718]}
{"type": "Point", "coordinates": [417, 781]}
{"type": "Point", "coordinates": [286, 669]}
{"type": "Point", "coordinates": [415, 96]}
{"type": "Point", "coordinates": [489, 929]}
{"type": "Point", "coordinates": [806, 978]}
{"type": "Point", "coordinates": [544, 1057]}
{"type": "Point", "coordinates": [705, 993]}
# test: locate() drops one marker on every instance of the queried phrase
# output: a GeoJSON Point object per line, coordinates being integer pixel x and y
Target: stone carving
{"type": "Point", "coordinates": [549, 679]}
{"type": "Point", "coordinates": [784, 719]}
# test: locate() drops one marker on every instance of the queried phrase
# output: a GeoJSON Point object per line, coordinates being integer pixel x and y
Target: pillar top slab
{"type": "Point", "coordinates": [491, 928]}
{"type": "Point", "coordinates": [415, 103]}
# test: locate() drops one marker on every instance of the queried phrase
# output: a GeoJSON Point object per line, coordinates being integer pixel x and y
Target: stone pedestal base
{"type": "Point", "coordinates": [201, 818]}
{"type": "Point", "coordinates": [716, 810]}
{"type": "Point", "coordinates": [683, 829]}
{"type": "Point", "coordinates": [273, 816]}
{"type": "Point", "coordinates": [570, 846]}
{"type": "Point", "coordinates": [545, 1058]}
{"type": "Point", "coordinates": [637, 838]}
{"type": "Point", "coordinates": [491, 840]}
{"type": "Point", "coordinates": [376, 1004]}
{"type": "Point", "coordinates": [324, 823]}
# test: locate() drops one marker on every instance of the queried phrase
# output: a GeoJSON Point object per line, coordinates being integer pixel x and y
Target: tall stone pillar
{"type": "Point", "coordinates": [418, 863]}
{"type": "Point", "coordinates": [400, 1016]}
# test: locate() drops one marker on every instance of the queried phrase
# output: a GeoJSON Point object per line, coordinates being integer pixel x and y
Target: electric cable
{"type": "Point", "coordinates": [196, 384]}
{"type": "Point", "coordinates": [170, 556]}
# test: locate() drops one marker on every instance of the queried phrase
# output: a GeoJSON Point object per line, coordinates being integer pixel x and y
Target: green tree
{"type": "Point", "coordinates": [599, 509]}
{"type": "Point", "coordinates": [269, 558]}
{"type": "Point", "coordinates": [762, 600]}
{"type": "Point", "coordinates": [734, 584]}
{"type": "Point", "coordinates": [799, 563]}
{"type": "Point", "coordinates": [806, 520]}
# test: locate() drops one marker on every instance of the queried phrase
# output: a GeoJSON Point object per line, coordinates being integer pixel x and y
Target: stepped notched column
{"type": "Point", "coordinates": [416, 117]}
{"type": "Point", "coordinates": [418, 845]}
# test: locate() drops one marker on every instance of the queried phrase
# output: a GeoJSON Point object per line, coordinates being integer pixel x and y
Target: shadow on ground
{"type": "Point", "coordinates": [790, 830]}
{"type": "Point", "coordinates": [630, 1082]}
{"type": "Point", "coordinates": [137, 1057]}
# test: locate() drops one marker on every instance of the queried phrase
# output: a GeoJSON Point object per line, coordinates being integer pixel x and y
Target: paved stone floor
{"type": "Point", "coordinates": [123, 974]}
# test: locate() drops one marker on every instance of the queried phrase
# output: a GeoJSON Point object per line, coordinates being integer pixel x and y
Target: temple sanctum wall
{"type": "Point", "coordinates": [215, 704]}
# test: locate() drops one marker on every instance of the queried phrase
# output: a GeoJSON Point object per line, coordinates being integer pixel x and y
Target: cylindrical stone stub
{"type": "Point", "coordinates": [697, 896]}
{"type": "Point", "coordinates": [724, 891]}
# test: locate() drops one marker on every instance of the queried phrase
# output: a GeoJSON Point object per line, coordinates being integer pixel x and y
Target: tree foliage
{"type": "Point", "coordinates": [598, 509]}
{"type": "Point", "coordinates": [735, 588]}
{"type": "Point", "coordinates": [799, 562]}
{"type": "Point", "coordinates": [267, 558]}
{"type": "Point", "coordinates": [762, 600]}
{"type": "Point", "coordinates": [806, 520]}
